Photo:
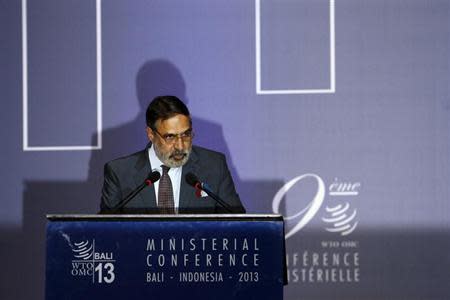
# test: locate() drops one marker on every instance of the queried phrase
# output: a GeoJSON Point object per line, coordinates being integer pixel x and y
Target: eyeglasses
{"type": "Point", "coordinates": [170, 138]}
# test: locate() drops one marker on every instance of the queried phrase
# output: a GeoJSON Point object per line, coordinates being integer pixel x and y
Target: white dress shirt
{"type": "Point", "coordinates": [174, 174]}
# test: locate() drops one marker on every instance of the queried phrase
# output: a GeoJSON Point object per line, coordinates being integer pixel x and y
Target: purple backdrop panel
{"type": "Point", "coordinates": [61, 81]}
{"type": "Point", "coordinates": [295, 44]}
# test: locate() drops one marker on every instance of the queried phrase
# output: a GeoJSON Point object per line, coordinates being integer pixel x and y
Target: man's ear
{"type": "Point", "coordinates": [150, 134]}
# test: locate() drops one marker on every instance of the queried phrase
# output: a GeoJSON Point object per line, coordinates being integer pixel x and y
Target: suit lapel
{"type": "Point", "coordinates": [143, 169]}
{"type": "Point", "coordinates": [187, 192]}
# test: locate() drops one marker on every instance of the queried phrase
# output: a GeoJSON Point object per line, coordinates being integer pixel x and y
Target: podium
{"type": "Point", "coordinates": [165, 257]}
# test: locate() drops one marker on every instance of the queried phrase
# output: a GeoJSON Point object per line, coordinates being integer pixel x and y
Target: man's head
{"type": "Point", "coordinates": [169, 128]}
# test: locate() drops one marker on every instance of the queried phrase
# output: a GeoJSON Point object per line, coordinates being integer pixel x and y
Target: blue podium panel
{"type": "Point", "coordinates": [178, 257]}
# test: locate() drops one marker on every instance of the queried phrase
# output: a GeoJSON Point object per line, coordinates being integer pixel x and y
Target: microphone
{"type": "Point", "coordinates": [199, 186]}
{"type": "Point", "coordinates": [151, 178]}
{"type": "Point", "coordinates": [191, 179]}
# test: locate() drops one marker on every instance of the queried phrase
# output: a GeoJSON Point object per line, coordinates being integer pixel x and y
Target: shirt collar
{"type": "Point", "coordinates": [155, 162]}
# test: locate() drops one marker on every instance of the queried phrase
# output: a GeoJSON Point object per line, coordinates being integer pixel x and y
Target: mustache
{"type": "Point", "coordinates": [178, 152]}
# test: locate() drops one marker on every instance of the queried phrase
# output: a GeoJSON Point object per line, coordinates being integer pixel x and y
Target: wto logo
{"type": "Point", "coordinates": [89, 263]}
{"type": "Point", "coordinates": [83, 250]}
{"type": "Point", "coordinates": [340, 217]}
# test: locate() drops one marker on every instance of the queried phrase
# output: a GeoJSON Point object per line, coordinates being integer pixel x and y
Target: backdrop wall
{"type": "Point", "coordinates": [333, 113]}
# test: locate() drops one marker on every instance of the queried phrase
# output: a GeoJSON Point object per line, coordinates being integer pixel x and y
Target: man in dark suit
{"type": "Point", "coordinates": [170, 152]}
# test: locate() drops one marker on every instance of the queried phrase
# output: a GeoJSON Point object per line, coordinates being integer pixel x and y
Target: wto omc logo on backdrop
{"type": "Point", "coordinates": [335, 198]}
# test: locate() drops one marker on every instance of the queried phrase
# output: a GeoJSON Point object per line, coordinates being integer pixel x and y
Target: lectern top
{"type": "Point", "coordinates": [180, 217]}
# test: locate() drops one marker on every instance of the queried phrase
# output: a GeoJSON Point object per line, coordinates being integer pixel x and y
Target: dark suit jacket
{"type": "Point", "coordinates": [123, 175]}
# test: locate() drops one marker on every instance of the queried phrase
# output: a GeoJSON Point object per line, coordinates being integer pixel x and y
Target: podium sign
{"type": "Point", "coordinates": [165, 257]}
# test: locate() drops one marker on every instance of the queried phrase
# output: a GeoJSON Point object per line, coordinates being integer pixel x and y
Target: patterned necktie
{"type": "Point", "coordinates": [165, 193]}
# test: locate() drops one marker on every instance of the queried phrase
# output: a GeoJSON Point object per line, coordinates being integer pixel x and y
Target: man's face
{"type": "Point", "coordinates": [172, 140]}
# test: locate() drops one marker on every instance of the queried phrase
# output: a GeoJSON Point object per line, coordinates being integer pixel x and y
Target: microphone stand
{"type": "Point", "coordinates": [222, 203]}
{"type": "Point", "coordinates": [130, 196]}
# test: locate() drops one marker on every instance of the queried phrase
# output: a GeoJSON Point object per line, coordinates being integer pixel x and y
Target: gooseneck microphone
{"type": "Point", "coordinates": [193, 180]}
{"type": "Point", "coordinates": [199, 186]}
{"type": "Point", "coordinates": [151, 178]}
